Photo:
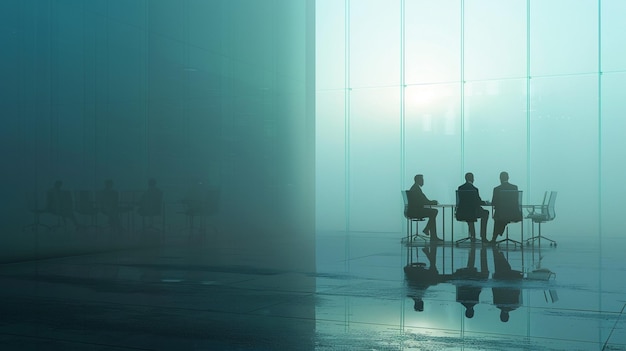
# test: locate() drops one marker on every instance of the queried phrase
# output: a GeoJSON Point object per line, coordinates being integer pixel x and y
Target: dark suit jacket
{"type": "Point", "coordinates": [505, 209]}
{"type": "Point", "coordinates": [417, 199]}
{"type": "Point", "coordinates": [469, 206]}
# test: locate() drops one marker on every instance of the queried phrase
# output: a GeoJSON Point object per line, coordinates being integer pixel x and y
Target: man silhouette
{"type": "Point", "coordinates": [503, 214]}
{"type": "Point", "coordinates": [416, 208]}
{"type": "Point", "coordinates": [472, 207]}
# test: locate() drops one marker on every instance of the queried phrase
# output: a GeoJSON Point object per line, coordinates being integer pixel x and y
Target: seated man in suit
{"type": "Point", "coordinates": [470, 209]}
{"type": "Point", "coordinates": [505, 210]}
{"type": "Point", "coordinates": [416, 208]}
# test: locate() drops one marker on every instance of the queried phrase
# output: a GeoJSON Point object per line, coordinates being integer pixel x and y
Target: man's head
{"type": "Point", "coordinates": [504, 316]}
{"type": "Point", "coordinates": [419, 179]}
{"type": "Point", "coordinates": [152, 182]}
{"type": "Point", "coordinates": [58, 184]}
{"type": "Point", "coordinates": [418, 304]}
{"type": "Point", "coordinates": [504, 177]}
{"type": "Point", "coordinates": [469, 312]}
{"type": "Point", "coordinates": [469, 177]}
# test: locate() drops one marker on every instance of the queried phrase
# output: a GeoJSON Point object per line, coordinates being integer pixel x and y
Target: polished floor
{"type": "Point", "coordinates": [368, 292]}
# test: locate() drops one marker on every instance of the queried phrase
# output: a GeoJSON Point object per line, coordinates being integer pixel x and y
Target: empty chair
{"type": "Point", "coordinates": [540, 214]}
{"type": "Point", "coordinates": [507, 208]}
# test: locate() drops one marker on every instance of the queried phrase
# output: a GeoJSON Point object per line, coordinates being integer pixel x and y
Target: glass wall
{"type": "Point", "coordinates": [483, 86]}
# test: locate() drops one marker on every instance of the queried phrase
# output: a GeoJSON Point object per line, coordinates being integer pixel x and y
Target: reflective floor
{"type": "Point", "coordinates": [369, 292]}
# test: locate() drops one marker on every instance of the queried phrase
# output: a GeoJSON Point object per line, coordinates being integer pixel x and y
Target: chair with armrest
{"type": "Point", "coordinates": [508, 209]}
{"type": "Point", "coordinates": [150, 206]}
{"type": "Point", "coordinates": [467, 201]}
{"type": "Point", "coordinates": [410, 219]}
{"type": "Point", "coordinates": [37, 211]}
{"type": "Point", "coordinates": [540, 214]}
{"type": "Point", "coordinates": [86, 206]}
{"type": "Point", "coordinates": [203, 206]}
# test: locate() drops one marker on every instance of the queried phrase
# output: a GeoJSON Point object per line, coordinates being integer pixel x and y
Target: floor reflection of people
{"type": "Point", "coordinates": [468, 280]}
{"type": "Point", "coordinates": [506, 291]}
{"type": "Point", "coordinates": [420, 278]}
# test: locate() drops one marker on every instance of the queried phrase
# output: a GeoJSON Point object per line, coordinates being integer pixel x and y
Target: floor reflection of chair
{"type": "Point", "coordinates": [410, 220]}
{"type": "Point", "coordinates": [540, 214]}
{"type": "Point", "coordinates": [508, 209]}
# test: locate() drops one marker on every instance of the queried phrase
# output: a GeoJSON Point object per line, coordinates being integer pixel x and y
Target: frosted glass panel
{"type": "Point", "coordinates": [374, 43]}
{"type": "Point", "coordinates": [564, 150]}
{"type": "Point", "coordinates": [503, 55]}
{"type": "Point", "coordinates": [613, 39]}
{"type": "Point", "coordinates": [331, 161]}
{"type": "Point", "coordinates": [563, 37]}
{"type": "Point", "coordinates": [331, 44]}
{"type": "Point", "coordinates": [375, 202]}
{"type": "Point", "coordinates": [432, 138]}
{"type": "Point", "coordinates": [528, 104]}
{"type": "Point", "coordinates": [495, 132]}
{"type": "Point", "coordinates": [433, 41]}
{"type": "Point", "coordinates": [613, 192]}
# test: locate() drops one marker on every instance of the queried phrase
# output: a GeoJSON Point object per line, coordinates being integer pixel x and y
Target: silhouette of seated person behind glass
{"type": "Point", "coordinates": [201, 202]}
{"type": "Point", "coordinates": [468, 292]}
{"type": "Point", "coordinates": [108, 201]}
{"type": "Point", "coordinates": [506, 292]}
{"type": "Point", "coordinates": [59, 203]}
{"type": "Point", "coordinates": [420, 278]}
{"type": "Point", "coordinates": [151, 203]}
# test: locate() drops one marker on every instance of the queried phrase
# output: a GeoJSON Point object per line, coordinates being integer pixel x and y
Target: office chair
{"type": "Point", "coordinates": [206, 205]}
{"type": "Point", "coordinates": [540, 214]}
{"type": "Point", "coordinates": [86, 206]}
{"type": "Point", "coordinates": [151, 206]}
{"type": "Point", "coordinates": [508, 208]}
{"type": "Point", "coordinates": [37, 211]}
{"type": "Point", "coordinates": [465, 211]}
{"type": "Point", "coordinates": [409, 222]}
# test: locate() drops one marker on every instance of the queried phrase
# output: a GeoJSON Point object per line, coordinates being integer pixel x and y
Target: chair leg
{"type": "Point", "coordinates": [410, 237]}
{"type": "Point", "coordinates": [539, 237]}
{"type": "Point", "coordinates": [507, 239]}
{"type": "Point", "coordinates": [469, 237]}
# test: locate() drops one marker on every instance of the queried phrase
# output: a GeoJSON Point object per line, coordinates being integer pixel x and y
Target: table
{"type": "Point", "coordinates": [443, 216]}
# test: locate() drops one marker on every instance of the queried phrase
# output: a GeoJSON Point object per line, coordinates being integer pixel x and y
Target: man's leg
{"type": "Point", "coordinates": [431, 226]}
{"type": "Point", "coordinates": [498, 229]}
{"type": "Point", "coordinates": [484, 217]}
